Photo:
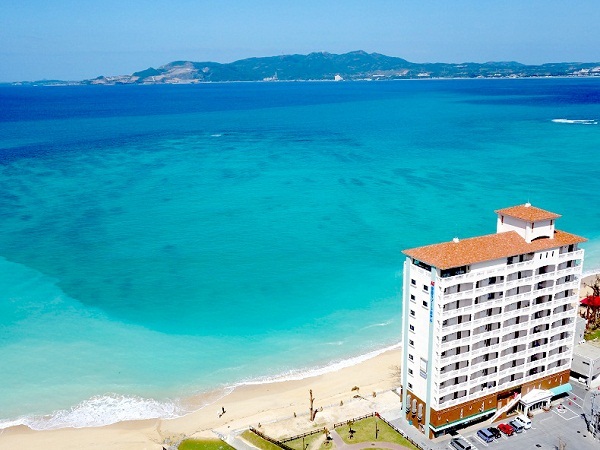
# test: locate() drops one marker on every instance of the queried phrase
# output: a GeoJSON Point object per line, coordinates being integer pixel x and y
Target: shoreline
{"type": "Point", "coordinates": [171, 408]}
{"type": "Point", "coordinates": [278, 403]}
{"type": "Point", "coordinates": [246, 405]}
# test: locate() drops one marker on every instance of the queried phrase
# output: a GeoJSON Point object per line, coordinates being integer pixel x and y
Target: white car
{"type": "Point", "coordinates": [524, 420]}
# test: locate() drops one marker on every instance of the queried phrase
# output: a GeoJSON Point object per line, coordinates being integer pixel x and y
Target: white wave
{"type": "Point", "coordinates": [105, 410]}
{"type": "Point", "coordinates": [300, 374]}
{"type": "Point", "coordinates": [381, 324]}
{"type": "Point", "coordinates": [578, 121]}
{"type": "Point", "coordinates": [216, 135]}
{"type": "Point", "coordinates": [99, 411]}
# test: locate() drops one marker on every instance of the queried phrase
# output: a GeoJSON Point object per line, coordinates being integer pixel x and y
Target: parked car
{"type": "Point", "coordinates": [495, 431]}
{"type": "Point", "coordinates": [516, 424]}
{"type": "Point", "coordinates": [485, 435]}
{"type": "Point", "coordinates": [525, 421]}
{"type": "Point", "coordinates": [460, 444]}
{"type": "Point", "coordinates": [506, 429]}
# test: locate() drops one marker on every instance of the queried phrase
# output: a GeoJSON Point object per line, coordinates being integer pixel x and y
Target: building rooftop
{"type": "Point", "coordinates": [463, 252]}
{"type": "Point", "coordinates": [589, 350]}
{"type": "Point", "coordinates": [528, 213]}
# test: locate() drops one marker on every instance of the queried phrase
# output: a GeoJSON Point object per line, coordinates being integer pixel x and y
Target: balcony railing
{"type": "Point", "coordinates": [519, 281]}
{"type": "Point", "coordinates": [511, 370]}
{"type": "Point", "coordinates": [564, 314]}
{"type": "Point", "coordinates": [448, 345]}
{"type": "Point", "coordinates": [457, 295]}
{"type": "Point", "coordinates": [578, 254]}
{"type": "Point", "coordinates": [447, 375]}
{"type": "Point", "coordinates": [455, 387]}
{"type": "Point", "coordinates": [544, 276]}
{"type": "Point", "coordinates": [482, 364]}
{"type": "Point", "coordinates": [457, 311]}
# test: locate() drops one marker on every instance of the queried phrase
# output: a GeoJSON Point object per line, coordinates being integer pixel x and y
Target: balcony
{"type": "Point", "coordinates": [568, 314]}
{"type": "Point", "coordinates": [544, 291]}
{"type": "Point", "coordinates": [457, 306]}
{"type": "Point", "coordinates": [567, 271]}
{"type": "Point", "coordinates": [577, 254]}
{"type": "Point", "coordinates": [496, 287]}
{"type": "Point", "coordinates": [447, 345]}
{"type": "Point", "coordinates": [483, 350]}
{"type": "Point", "coordinates": [457, 296]}
{"type": "Point", "coordinates": [485, 343]}
{"type": "Point", "coordinates": [539, 322]}
{"type": "Point", "coordinates": [479, 363]}
{"type": "Point", "coordinates": [458, 327]}
{"type": "Point", "coordinates": [453, 388]}
{"type": "Point", "coordinates": [519, 282]}
{"type": "Point", "coordinates": [561, 334]}
{"type": "Point", "coordinates": [454, 351]}
{"type": "Point", "coordinates": [506, 355]}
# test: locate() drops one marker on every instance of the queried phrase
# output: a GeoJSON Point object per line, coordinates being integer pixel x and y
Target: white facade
{"type": "Point", "coordinates": [487, 326]}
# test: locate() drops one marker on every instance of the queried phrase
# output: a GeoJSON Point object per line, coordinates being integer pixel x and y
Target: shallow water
{"type": "Point", "coordinates": [160, 241]}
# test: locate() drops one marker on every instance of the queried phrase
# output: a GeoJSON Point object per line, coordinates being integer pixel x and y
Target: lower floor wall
{"type": "Point", "coordinates": [463, 411]}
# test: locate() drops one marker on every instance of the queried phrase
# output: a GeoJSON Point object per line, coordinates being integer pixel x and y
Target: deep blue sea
{"type": "Point", "coordinates": [160, 242]}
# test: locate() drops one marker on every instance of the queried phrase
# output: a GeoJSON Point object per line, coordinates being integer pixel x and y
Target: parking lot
{"type": "Point", "coordinates": [565, 423]}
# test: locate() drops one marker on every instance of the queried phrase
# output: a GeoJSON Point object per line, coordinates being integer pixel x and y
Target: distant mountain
{"type": "Point", "coordinates": [357, 65]}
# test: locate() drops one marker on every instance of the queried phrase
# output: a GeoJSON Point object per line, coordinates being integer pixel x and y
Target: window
{"type": "Point", "coordinates": [425, 304]}
{"type": "Point", "coordinates": [410, 371]}
{"type": "Point", "coordinates": [410, 356]}
{"type": "Point", "coordinates": [425, 288]}
{"type": "Point", "coordinates": [411, 342]}
{"type": "Point", "coordinates": [412, 297]}
{"type": "Point", "coordinates": [412, 312]}
{"type": "Point", "coordinates": [413, 282]}
{"type": "Point", "coordinates": [412, 327]}
{"type": "Point", "coordinates": [410, 385]}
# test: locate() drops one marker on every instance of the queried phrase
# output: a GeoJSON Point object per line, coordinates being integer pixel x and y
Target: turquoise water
{"type": "Point", "coordinates": [160, 242]}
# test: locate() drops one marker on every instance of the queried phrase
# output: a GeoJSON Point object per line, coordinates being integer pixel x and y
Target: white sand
{"type": "Point", "coordinates": [585, 291]}
{"type": "Point", "coordinates": [272, 405]}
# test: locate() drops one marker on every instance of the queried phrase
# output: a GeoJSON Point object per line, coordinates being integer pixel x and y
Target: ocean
{"type": "Point", "coordinates": [163, 244]}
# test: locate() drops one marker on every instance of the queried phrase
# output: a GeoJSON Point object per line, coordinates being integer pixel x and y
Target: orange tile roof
{"type": "Point", "coordinates": [486, 248]}
{"type": "Point", "coordinates": [528, 213]}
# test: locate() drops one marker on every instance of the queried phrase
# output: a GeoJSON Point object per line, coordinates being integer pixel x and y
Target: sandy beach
{"type": "Point", "coordinates": [279, 408]}
{"type": "Point", "coordinates": [585, 291]}
{"type": "Point", "coordinates": [248, 405]}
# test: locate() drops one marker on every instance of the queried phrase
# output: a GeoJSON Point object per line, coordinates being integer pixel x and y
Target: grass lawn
{"type": "Point", "coordinates": [592, 335]}
{"type": "Point", "coordinates": [296, 444]}
{"type": "Point", "coordinates": [365, 432]}
{"type": "Point", "coordinates": [259, 442]}
{"type": "Point", "coordinates": [204, 444]}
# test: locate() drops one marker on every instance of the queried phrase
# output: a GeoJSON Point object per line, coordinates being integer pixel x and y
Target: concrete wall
{"type": "Point", "coordinates": [528, 230]}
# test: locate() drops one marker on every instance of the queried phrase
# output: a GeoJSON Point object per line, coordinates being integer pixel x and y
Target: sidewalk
{"type": "Point", "coordinates": [396, 417]}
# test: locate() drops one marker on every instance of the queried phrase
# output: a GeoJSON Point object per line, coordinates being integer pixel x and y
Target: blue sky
{"type": "Point", "coordinates": [77, 39]}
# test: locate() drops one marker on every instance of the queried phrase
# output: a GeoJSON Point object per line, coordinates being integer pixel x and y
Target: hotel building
{"type": "Point", "coordinates": [488, 320]}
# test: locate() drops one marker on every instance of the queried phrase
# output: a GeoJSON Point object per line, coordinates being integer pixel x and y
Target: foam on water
{"type": "Point", "coordinates": [100, 411]}
{"type": "Point", "coordinates": [108, 409]}
{"type": "Point", "coordinates": [577, 121]}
